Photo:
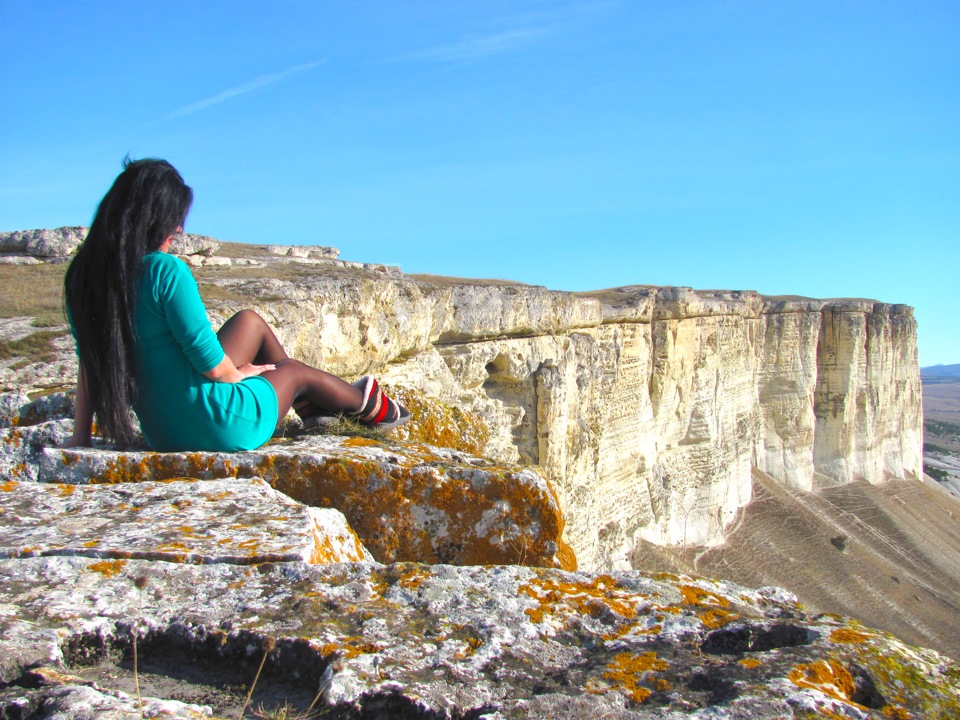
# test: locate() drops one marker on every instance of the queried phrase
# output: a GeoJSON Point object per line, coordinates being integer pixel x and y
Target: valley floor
{"type": "Point", "coordinates": [887, 554]}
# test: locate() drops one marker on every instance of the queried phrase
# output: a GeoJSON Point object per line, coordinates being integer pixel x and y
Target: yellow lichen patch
{"type": "Point", "coordinates": [715, 615]}
{"type": "Point", "coordinates": [750, 663]}
{"type": "Point", "coordinates": [109, 568]}
{"type": "Point", "coordinates": [9, 486]}
{"type": "Point", "coordinates": [896, 712]}
{"type": "Point", "coordinates": [161, 466]}
{"type": "Point", "coordinates": [353, 442]}
{"type": "Point", "coordinates": [91, 543]}
{"type": "Point", "coordinates": [599, 597]}
{"type": "Point", "coordinates": [827, 676]}
{"type": "Point", "coordinates": [377, 500]}
{"type": "Point", "coordinates": [437, 423]}
{"type": "Point", "coordinates": [717, 618]}
{"type": "Point", "coordinates": [325, 552]}
{"type": "Point", "coordinates": [846, 635]}
{"type": "Point", "coordinates": [628, 628]}
{"type": "Point", "coordinates": [629, 669]}
{"type": "Point", "coordinates": [66, 490]}
{"type": "Point", "coordinates": [412, 579]}
{"type": "Point", "coordinates": [693, 595]}
{"type": "Point", "coordinates": [350, 647]}
{"type": "Point", "coordinates": [166, 547]}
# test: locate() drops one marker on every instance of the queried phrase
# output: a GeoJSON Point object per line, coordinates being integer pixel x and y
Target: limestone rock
{"type": "Point", "coordinates": [303, 251]}
{"type": "Point", "coordinates": [190, 244]}
{"type": "Point", "coordinates": [648, 408]}
{"type": "Point", "coordinates": [405, 502]}
{"type": "Point", "coordinates": [10, 404]}
{"type": "Point", "coordinates": [16, 259]}
{"type": "Point", "coordinates": [71, 701]}
{"type": "Point", "coordinates": [233, 521]}
{"type": "Point", "coordinates": [45, 244]}
{"type": "Point", "coordinates": [498, 642]}
{"type": "Point", "coordinates": [21, 448]}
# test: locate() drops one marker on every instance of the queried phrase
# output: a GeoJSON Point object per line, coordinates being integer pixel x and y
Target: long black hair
{"type": "Point", "coordinates": [147, 203]}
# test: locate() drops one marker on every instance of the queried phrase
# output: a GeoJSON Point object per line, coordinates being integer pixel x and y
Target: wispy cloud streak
{"type": "Point", "coordinates": [255, 84]}
{"type": "Point", "coordinates": [475, 47]}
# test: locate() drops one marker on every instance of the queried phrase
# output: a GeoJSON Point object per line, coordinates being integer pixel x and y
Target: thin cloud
{"type": "Point", "coordinates": [255, 84]}
{"type": "Point", "coordinates": [476, 47]}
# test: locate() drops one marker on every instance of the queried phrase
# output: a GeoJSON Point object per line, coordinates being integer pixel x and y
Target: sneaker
{"type": "Point", "coordinates": [377, 410]}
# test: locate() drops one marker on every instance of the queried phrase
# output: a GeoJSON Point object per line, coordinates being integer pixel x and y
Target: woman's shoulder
{"type": "Point", "coordinates": [161, 262]}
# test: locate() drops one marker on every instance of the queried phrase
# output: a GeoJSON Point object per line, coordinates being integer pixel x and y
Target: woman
{"type": "Point", "coordinates": [145, 343]}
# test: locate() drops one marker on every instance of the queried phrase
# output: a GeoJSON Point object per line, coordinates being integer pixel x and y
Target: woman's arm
{"type": "Point", "coordinates": [226, 371]}
{"type": "Point", "coordinates": [83, 415]}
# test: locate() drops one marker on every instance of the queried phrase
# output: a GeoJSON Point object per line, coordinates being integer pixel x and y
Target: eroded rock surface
{"type": "Point", "coordinates": [233, 521]}
{"type": "Point", "coordinates": [406, 502]}
{"type": "Point", "coordinates": [444, 642]}
{"type": "Point", "coordinates": [648, 408]}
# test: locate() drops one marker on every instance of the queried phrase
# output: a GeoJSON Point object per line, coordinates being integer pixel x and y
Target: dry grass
{"type": "Point", "coordinates": [444, 281]}
{"type": "Point", "coordinates": [36, 347]}
{"type": "Point", "coordinates": [33, 291]}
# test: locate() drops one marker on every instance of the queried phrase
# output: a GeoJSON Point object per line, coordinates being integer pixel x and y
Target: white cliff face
{"type": "Point", "coordinates": [648, 408]}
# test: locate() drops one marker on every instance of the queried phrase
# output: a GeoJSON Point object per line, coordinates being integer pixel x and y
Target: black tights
{"type": "Point", "coordinates": [246, 338]}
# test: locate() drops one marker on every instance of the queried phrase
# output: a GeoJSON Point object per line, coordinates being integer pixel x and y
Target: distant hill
{"type": "Point", "coordinates": [940, 371]}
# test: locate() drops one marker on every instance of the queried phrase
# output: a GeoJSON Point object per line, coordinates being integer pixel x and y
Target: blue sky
{"type": "Point", "coordinates": [807, 148]}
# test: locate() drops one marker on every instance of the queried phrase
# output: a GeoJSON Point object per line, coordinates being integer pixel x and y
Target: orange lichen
{"type": "Point", "coordinates": [693, 595]}
{"type": "Point", "coordinates": [159, 467]}
{"type": "Point", "coordinates": [596, 598]}
{"type": "Point", "coordinates": [628, 670]}
{"type": "Point", "coordinates": [166, 547]}
{"type": "Point", "coordinates": [91, 543]}
{"type": "Point", "coordinates": [717, 618]}
{"type": "Point", "coordinates": [376, 499]}
{"type": "Point", "coordinates": [361, 442]}
{"type": "Point", "coordinates": [750, 663]}
{"type": "Point", "coordinates": [437, 423]}
{"type": "Point", "coordinates": [827, 676]}
{"type": "Point", "coordinates": [896, 712]}
{"type": "Point", "coordinates": [66, 490]}
{"type": "Point", "coordinates": [846, 635]}
{"type": "Point", "coordinates": [109, 568]}
{"type": "Point", "coordinates": [9, 486]}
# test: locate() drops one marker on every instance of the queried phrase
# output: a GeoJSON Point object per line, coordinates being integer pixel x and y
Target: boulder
{"type": "Point", "coordinates": [405, 501]}
{"type": "Point", "coordinates": [46, 243]}
{"type": "Point", "coordinates": [408, 640]}
{"type": "Point", "coordinates": [221, 521]}
{"type": "Point", "coordinates": [303, 251]}
{"type": "Point", "coordinates": [189, 244]}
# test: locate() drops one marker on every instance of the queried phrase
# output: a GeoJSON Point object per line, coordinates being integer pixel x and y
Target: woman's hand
{"type": "Point", "coordinates": [249, 370]}
{"type": "Point", "coordinates": [227, 372]}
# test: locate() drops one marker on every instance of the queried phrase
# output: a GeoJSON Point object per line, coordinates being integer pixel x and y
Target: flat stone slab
{"type": "Point", "coordinates": [409, 640]}
{"type": "Point", "coordinates": [186, 521]}
{"type": "Point", "coordinates": [406, 502]}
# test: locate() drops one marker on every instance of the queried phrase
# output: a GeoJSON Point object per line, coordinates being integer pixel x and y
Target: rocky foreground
{"type": "Point", "coordinates": [201, 562]}
{"type": "Point", "coordinates": [434, 575]}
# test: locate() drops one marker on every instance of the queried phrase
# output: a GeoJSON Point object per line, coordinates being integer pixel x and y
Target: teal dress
{"type": "Point", "coordinates": [179, 408]}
